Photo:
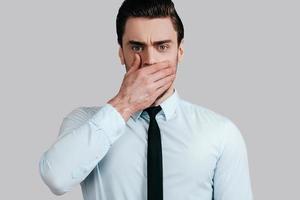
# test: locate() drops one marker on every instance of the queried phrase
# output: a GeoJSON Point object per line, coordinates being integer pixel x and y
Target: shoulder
{"type": "Point", "coordinates": [202, 114]}
{"type": "Point", "coordinates": [207, 119]}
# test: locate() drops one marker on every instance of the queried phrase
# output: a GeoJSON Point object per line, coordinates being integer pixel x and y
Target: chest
{"type": "Point", "coordinates": [189, 153]}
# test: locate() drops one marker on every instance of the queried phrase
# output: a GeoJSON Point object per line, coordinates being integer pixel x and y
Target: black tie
{"type": "Point", "coordinates": [154, 157]}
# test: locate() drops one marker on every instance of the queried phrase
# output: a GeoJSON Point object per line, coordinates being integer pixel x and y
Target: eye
{"type": "Point", "coordinates": [136, 48]}
{"type": "Point", "coordinates": [163, 47]}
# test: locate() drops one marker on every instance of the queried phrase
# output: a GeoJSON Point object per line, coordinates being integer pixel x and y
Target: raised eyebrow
{"type": "Point", "coordinates": [133, 42]}
{"type": "Point", "coordinates": [162, 42]}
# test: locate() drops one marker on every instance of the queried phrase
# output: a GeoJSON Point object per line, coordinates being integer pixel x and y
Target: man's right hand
{"type": "Point", "coordinates": [141, 86]}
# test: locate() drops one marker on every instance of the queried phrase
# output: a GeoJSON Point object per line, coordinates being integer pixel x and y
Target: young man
{"type": "Point", "coordinates": [147, 142]}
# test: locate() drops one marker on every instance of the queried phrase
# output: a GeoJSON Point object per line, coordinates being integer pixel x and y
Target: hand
{"type": "Point", "coordinates": [141, 86]}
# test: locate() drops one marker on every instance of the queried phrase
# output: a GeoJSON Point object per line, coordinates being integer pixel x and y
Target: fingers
{"type": "Point", "coordinates": [136, 63]}
{"type": "Point", "coordinates": [156, 67]}
{"type": "Point", "coordinates": [164, 85]}
{"type": "Point", "coordinates": [162, 73]}
{"type": "Point", "coordinates": [168, 80]}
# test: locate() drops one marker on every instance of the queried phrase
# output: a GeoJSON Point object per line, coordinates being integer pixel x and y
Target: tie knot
{"type": "Point", "coordinates": [152, 111]}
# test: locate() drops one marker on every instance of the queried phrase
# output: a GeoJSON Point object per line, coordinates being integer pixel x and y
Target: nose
{"type": "Point", "coordinates": [149, 57]}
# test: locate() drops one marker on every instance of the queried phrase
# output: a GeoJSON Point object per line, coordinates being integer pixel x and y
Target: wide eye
{"type": "Point", "coordinates": [136, 48]}
{"type": "Point", "coordinates": [163, 47]}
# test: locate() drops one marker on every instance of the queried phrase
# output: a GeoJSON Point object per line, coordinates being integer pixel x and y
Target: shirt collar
{"type": "Point", "coordinates": [168, 107]}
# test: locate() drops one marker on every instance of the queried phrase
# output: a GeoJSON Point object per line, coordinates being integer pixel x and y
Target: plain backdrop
{"type": "Point", "coordinates": [242, 60]}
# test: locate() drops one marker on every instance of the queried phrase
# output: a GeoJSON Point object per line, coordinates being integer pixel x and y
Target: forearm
{"type": "Point", "coordinates": [76, 152]}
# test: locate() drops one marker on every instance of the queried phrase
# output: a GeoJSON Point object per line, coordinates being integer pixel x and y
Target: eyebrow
{"type": "Point", "coordinates": [134, 42]}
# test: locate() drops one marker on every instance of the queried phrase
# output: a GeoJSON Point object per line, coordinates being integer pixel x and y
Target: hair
{"type": "Point", "coordinates": [148, 9]}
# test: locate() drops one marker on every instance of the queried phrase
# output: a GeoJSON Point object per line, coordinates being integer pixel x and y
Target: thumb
{"type": "Point", "coordinates": [136, 62]}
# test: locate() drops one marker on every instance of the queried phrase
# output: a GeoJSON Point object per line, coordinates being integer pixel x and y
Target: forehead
{"type": "Point", "coordinates": [147, 30]}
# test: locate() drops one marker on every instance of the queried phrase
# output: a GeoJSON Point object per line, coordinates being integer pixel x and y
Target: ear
{"type": "Point", "coordinates": [180, 51]}
{"type": "Point", "coordinates": [121, 55]}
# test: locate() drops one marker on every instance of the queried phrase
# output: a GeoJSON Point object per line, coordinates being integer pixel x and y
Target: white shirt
{"type": "Point", "coordinates": [204, 154]}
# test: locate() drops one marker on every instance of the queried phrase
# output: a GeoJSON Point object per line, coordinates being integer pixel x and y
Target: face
{"type": "Point", "coordinates": [155, 40]}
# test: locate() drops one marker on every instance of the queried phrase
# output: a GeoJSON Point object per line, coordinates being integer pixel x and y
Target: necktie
{"type": "Point", "coordinates": [154, 157]}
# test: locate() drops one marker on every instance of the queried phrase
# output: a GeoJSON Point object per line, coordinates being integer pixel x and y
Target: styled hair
{"type": "Point", "coordinates": [148, 9]}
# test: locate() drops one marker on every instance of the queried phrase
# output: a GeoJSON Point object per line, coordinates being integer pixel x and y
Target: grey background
{"type": "Point", "coordinates": [241, 60]}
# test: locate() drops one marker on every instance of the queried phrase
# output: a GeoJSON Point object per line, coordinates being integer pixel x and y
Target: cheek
{"type": "Point", "coordinates": [173, 64]}
{"type": "Point", "coordinates": [173, 60]}
{"type": "Point", "coordinates": [128, 59]}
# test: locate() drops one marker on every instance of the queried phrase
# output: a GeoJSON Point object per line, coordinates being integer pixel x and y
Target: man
{"type": "Point", "coordinates": [147, 142]}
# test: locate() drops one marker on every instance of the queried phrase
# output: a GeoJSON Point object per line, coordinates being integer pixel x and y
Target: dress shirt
{"type": "Point", "coordinates": [204, 154]}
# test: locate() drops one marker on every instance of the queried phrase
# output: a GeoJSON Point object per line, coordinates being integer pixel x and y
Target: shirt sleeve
{"type": "Point", "coordinates": [83, 141]}
{"type": "Point", "coordinates": [232, 177]}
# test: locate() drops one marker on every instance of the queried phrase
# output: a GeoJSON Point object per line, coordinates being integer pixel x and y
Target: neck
{"type": "Point", "coordinates": [164, 96]}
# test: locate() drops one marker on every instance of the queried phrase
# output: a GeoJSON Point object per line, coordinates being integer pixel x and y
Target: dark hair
{"type": "Point", "coordinates": [149, 9]}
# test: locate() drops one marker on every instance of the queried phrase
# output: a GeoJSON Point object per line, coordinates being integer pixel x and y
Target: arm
{"type": "Point", "coordinates": [82, 142]}
{"type": "Point", "coordinates": [231, 178]}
